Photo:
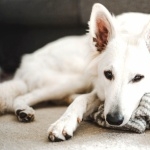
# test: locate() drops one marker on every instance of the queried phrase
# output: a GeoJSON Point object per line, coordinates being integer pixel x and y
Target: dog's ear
{"type": "Point", "coordinates": [101, 26]}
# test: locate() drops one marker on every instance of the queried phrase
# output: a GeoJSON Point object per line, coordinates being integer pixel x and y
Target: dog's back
{"type": "Point", "coordinates": [55, 61]}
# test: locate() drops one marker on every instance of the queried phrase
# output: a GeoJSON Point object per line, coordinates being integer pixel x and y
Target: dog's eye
{"type": "Point", "coordinates": [108, 74]}
{"type": "Point", "coordinates": [137, 78]}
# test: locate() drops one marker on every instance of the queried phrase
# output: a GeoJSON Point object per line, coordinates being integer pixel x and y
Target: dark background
{"type": "Point", "coordinates": [26, 25]}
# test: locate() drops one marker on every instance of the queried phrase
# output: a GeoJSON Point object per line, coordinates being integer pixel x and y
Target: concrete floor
{"type": "Point", "coordinates": [33, 136]}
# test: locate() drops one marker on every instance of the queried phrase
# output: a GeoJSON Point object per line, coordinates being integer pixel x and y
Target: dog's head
{"type": "Point", "coordinates": [120, 66]}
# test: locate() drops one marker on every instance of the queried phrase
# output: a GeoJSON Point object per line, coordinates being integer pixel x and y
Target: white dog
{"type": "Point", "coordinates": [118, 72]}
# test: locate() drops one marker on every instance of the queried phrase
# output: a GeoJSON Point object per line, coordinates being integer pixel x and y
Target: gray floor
{"type": "Point", "coordinates": [33, 136]}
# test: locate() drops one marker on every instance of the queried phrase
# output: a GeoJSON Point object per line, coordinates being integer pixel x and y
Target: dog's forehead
{"type": "Point", "coordinates": [128, 55]}
{"type": "Point", "coordinates": [137, 53]}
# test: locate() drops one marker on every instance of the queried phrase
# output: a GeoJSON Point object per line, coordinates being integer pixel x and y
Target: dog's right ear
{"type": "Point", "coordinates": [101, 26]}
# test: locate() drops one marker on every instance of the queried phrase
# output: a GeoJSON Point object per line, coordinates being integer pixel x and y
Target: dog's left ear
{"type": "Point", "coordinates": [101, 26]}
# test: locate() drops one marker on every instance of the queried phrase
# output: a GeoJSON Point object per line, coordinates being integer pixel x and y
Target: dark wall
{"type": "Point", "coordinates": [26, 25]}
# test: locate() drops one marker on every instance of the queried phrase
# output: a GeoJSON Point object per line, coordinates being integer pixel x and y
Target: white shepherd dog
{"type": "Point", "coordinates": [111, 64]}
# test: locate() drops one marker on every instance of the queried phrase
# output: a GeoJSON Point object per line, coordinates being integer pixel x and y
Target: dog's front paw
{"type": "Point", "coordinates": [63, 128]}
{"type": "Point", "coordinates": [25, 115]}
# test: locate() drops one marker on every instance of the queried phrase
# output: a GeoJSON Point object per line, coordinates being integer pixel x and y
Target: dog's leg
{"type": "Point", "coordinates": [63, 128]}
{"type": "Point", "coordinates": [56, 91]}
{"type": "Point", "coordinates": [9, 90]}
{"type": "Point", "coordinates": [22, 103]}
{"type": "Point", "coordinates": [71, 98]}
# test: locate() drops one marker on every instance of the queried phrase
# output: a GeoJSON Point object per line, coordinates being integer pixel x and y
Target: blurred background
{"type": "Point", "coordinates": [26, 25]}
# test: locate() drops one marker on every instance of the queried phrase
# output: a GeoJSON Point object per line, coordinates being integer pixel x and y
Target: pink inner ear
{"type": "Point", "coordinates": [101, 35]}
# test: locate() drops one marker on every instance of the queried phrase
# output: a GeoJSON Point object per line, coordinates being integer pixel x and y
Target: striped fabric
{"type": "Point", "coordinates": [139, 121]}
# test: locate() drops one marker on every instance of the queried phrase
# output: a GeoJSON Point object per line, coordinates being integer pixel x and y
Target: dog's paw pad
{"type": "Point", "coordinates": [25, 115]}
{"type": "Point", "coordinates": [67, 136]}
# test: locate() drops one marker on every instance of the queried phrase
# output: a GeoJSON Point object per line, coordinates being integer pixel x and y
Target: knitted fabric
{"type": "Point", "coordinates": [139, 121]}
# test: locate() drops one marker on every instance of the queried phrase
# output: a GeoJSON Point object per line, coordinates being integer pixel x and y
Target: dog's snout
{"type": "Point", "coordinates": [114, 118]}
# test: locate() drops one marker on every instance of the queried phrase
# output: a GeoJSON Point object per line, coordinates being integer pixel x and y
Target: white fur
{"type": "Point", "coordinates": [61, 69]}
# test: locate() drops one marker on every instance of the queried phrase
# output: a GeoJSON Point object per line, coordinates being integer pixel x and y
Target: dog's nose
{"type": "Point", "coordinates": [114, 118]}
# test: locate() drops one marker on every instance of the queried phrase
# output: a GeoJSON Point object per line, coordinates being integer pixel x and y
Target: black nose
{"type": "Point", "coordinates": [114, 118]}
